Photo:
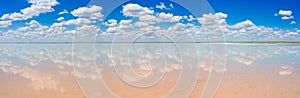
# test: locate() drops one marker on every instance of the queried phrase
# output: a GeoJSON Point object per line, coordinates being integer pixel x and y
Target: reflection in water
{"type": "Point", "coordinates": [146, 70]}
{"type": "Point", "coordinates": [38, 79]}
{"type": "Point", "coordinates": [29, 71]}
{"type": "Point", "coordinates": [285, 70]}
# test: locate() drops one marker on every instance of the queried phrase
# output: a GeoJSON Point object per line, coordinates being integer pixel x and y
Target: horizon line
{"type": "Point", "coordinates": [228, 42]}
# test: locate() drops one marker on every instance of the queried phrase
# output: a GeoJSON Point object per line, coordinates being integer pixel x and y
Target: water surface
{"type": "Point", "coordinates": [148, 70]}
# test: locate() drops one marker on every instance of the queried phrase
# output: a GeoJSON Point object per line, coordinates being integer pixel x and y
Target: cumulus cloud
{"type": "Point", "coordinates": [5, 23]}
{"type": "Point", "coordinates": [287, 17]}
{"type": "Point", "coordinates": [38, 7]}
{"type": "Point", "coordinates": [146, 21]}
{"type": "Point", "coordinates": [60, 19]}
{"type": "Point", "coordinates": [190, 18]}
{"type": "Point", "coordinates": [63, 12]}
{"type": "Point", "coordinates": [33, 25]}
{"type": "Point", "coordinates": [34, 31]}
{"type": "Point", "coordinates": [217, 18]}
{"type": "Point", "coordinates": [136, 10]}
{"type": "Point", "coordinates": [148, 18]}
{"type": "Point", "coordinates": [87, 32]}
{"type": "Point", "coordinates": [292, 33]}
{"type": "Point", "coordinates": [75, 22]}
{"type": "Point", "coordinates": [177, 27]}
{"type": "Point", "coordinates": [124, 24]}
{"type": "Point", "coordinates": [162, 6]}
{"type": "Point", "coordinates": [92, 12]}
{"type": "Point", "coordinates": [285, 14]}
{"type": "Point", "coordinates": [111, 23]}
{"type": "Point", "coordinates": [244, 24]}
{"type": "Point", "coordinates": [293, 22]}
{"type": "Point", "coordinates": [168, 17]}
{"type": "Point", "coordinates": [251, 32]}
{"type": "Point", "coordinates": [212, 24]}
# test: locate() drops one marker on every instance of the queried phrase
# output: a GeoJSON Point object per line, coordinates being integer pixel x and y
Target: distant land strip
{"type": "Point", "coordinates": [273, 42]}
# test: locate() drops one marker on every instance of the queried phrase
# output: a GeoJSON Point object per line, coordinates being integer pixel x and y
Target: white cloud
{"type": "Point", "coordinates": [33, 23]}
{"type": "Point", "coordinates": [32, 26]}
{"type": "Point", "coordinates": [285, 12]}
{"type": "Point", "coordinates": [111, 23]}
{"type": "Point", "coordinates": [37, 7]}
{"type": "Point", "coordinates": [214, 25]}
{"type": "Point", "coordinates": [112, 30]}
{"type": "Point", "coordinates": [244, 24]}
{"type": "Point", "coordinates": [177, 27]}
{"type": "Point", "coordinates": [247, 30]}
{"type": "Point", "coordinates": [92, 12]}
{"type": "Point", "coordinates": [171, 5]}
{"type": "Point", "coordinates": [5, 23]}
{"type": "Point", "coordinates": [36, 25]}
{"type": "Point", "coordinates": [125, 24]}
{"type": "Point", "coordinates": [146, 20]}
{"type": "Point", "coordinates": [75, 22]}
{"type": "Point", "coordinates": [63, 12]}
{"type": "Point", "coordinates": [87, 33]}
{"type": "Point", "coordinates": [60, 19]}
{"type": "Point", "coordinates": [190, 18]}
{"type": "Point", "coordinates": [218, 18]}
{"type": "Point", "coordinates": [293, 22]}
{"type": "Point", "coordinates": [287, 17]}
{"type": "Point", "coordinates": [136, 10]}
{"type": "Point", "coordinates": [34, 31]}
{"type": "Point", "coordinates": [292, 33]}
{"type": "Point", "coordinates": [162, 6]}
{"type": "Point", "coordinates": [143, 24]}
{"type": "Point", "coordinates": [243, 31]}
{"type": "Point", "coordinates": [163, 17]}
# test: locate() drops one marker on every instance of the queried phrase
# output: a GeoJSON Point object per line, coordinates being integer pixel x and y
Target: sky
{"type": "Point", "coordinates": [59, 20]}
{"type": "Point", "coordinates": [261, 12]}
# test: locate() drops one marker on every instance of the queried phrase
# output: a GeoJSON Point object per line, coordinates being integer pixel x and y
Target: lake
{"type": "Point", "coordinates": [150, 70]}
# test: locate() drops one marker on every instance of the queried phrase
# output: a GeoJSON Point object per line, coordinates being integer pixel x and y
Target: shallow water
{"type": "Point", "coordinates": [149, 70]}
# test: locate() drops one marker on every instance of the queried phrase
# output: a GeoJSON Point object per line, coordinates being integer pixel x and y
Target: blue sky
{"type": "Point", "coordinates": [261, 12]}
{"type": "Point", "coordinates": [275, 14]}
{"type": "Point", "coordinates": [11, 6]}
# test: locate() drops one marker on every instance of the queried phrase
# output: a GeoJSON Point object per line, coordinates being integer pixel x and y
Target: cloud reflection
{"type": "Point", "coordinates": [143, 59]}
{"type": "Point", "coordinates": [285, 70]}
{"type": "Point", "coordinates": [39, 80]}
